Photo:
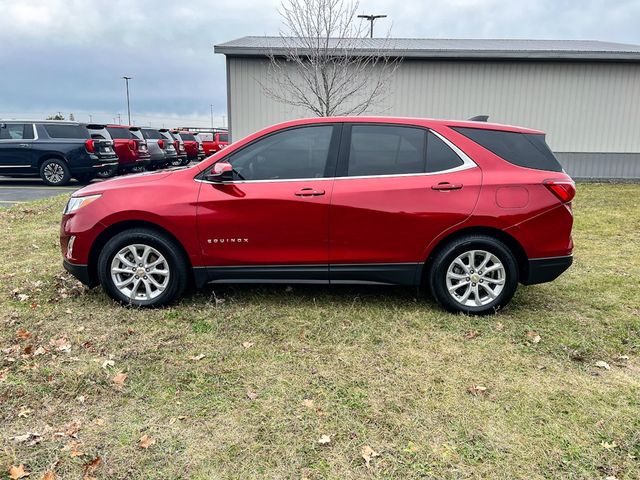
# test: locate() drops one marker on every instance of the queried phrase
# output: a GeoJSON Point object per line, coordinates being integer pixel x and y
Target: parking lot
{"type": "Point", "coordinates": [15, 191]}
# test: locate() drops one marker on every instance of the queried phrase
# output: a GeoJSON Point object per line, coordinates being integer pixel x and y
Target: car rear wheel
{"type": "Point", "coordinates": [476, 274]}
{"type": "Point", "coordinates": [176, 162]}
{"type": "Point", "coordinates": [55, 172]}
{"type": "Point", "coordinates": [143, 268]}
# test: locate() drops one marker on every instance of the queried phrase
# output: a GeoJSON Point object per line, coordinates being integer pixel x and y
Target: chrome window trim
{"type": "Point", "coordinates": [23, 140]}
{"type": "Point", "coordinates": [467, 163]}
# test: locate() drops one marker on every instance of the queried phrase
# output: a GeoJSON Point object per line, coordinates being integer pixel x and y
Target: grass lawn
{"type": "Point", "coordinates": [243, 382]}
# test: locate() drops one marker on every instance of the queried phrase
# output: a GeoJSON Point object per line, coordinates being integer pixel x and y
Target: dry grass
{"type": "Point", "coordinates": [381, 367]}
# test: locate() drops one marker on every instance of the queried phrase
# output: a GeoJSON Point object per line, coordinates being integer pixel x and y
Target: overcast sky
{"type": "Point", "coordinates": [69, 55]}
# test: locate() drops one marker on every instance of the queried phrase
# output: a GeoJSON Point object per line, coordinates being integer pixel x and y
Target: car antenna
{"type": "Point", "coordinates": [479, 118]}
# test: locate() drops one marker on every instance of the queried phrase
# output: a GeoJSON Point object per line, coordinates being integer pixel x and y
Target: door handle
{"type": "Point", "coordinates": [24, 145]}
{"type": "Point", "coordinates": [309, 192]}
{"type": "Point", "coordinates": [446, 186]}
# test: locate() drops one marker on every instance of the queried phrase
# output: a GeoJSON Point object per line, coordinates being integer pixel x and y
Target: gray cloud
{"type": "Point", "coordinates": [69, 55]}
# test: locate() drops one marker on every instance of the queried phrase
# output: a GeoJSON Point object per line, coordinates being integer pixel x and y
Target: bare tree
{"type": "Point", "coordinates": [316, 65]}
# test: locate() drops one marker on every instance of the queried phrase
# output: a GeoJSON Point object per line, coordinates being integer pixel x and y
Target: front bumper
{"type": "Point", "coordinates": [81, 272]}
{"type": "Point", "coordinates": [541, 270]}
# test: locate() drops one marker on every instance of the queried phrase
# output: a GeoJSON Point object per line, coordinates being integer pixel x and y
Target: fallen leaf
{"type": "Point", "coordinates": [90, 468]}
{"type": "Point", "coordinates": [17, 472]}
{"type": "Point", "coordinates": [108, 364]}
{"type": "Point", "coordinates": [324, 440]}
{"type": "Point", "coordinates": [307, 402]}
{"type": "Point", "coordinates": [74, 449]}
{"type": "Point", "coordinates": [24, 412]}
{"type": "Point", "coordinates": [602, 364]}
{"type": "Point", "coordinates": [81, 398]}
{"type": "Point", "coordinates": [73, 428]}
{"type": "Point", "coordinates": [499, 327]}
{"type": "Point", "coordinates": [197, 357]}
{"type": "Point", "coordinates": [247, 344]}
{"type": "Point", "coordinates": [251, 395]}
{"type": "Point", "coordinates": [30, 438]}
{"type": "Point", "coordinates": [146, 441]}
{"type": "Point", "coordinates": [471, 334]}
{"type": "Point", "coordinates": [61, 345]}
{"type": "Point", "coordinates": [609, 446]}
{"type": "Point", "coordinates": [40, 351]}
{"type": "Point", "coordinates": [368, 454]}
{"type": "Point", "coordinates": [477, 390]}
{"type": "Point", "coordinates": [119, 379]}
{"type": "Point", "coordinates": [23, 334]}
{"type": "Point", "coordinates": [49, 475]}
{"type": "Point", "coordinates": [534, 337]}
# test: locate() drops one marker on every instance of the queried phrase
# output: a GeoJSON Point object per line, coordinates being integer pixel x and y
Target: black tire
{"type": "Point", "coordinates": [443, 261]}
{"type": "Point", "coordinates": [175, 260]}
{"type": "Point", "coordinates": [85, 177]}
{"type": "Point", "coordinates": [107, 172]}
{"type": "Point", "coordinates": [185, 162]}
{"type": "Point", "coordinates": [176, 162]}
{"type": "Point", "coordinates": [55, 172]}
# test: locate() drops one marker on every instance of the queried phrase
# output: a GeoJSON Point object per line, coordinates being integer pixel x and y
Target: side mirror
{"type": "Point", "coordinates": [221, 172]}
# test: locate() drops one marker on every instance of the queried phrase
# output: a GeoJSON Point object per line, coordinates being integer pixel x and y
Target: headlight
{"type": "Point", "coordinates": [76, 203]}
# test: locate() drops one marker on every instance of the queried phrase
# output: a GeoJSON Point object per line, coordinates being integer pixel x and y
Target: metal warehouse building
{"type": "Point", "coordinates": [584, 94]}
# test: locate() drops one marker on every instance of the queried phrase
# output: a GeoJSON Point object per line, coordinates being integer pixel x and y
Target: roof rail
{"type": "Point", "coordinates": [479, 118]}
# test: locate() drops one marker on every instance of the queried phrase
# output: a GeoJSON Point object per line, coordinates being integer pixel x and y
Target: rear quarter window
{"type": "Point", "coordinates": [522, 149]}
{"type": "Point", "coordinates": [67, 131]}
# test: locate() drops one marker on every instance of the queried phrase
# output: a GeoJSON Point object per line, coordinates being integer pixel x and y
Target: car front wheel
{"type": "Point", "coordinates": [143, 268]}
{"type": "Point", "coordinates": [477, 274]}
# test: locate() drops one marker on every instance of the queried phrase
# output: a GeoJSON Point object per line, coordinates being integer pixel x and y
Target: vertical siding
{"type": "Point", "coordinates": [583, 107]}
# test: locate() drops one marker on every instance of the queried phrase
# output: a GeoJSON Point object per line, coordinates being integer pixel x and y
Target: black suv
{"type": "Point", "coordinates": [54, 150]}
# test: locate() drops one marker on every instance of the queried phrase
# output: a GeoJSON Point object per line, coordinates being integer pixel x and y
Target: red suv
{"type": "Point", "coordinates": [467, 209]}
{"type": "Point", "coordinates": [133, 153]}
{"type": "Point", "coordinates": [191, 145]}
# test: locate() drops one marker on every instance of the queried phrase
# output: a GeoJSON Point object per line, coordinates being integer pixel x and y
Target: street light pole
{"type": "Point", "coordinates": [126, 81]}
{"type": "Point", "coordinates": [211, 116]}
{"type": "Point", "coordinates": [371, 18]}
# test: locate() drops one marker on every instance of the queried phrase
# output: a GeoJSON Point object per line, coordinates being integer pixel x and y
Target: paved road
{"type": "Point", "coordinates": [14, 191]}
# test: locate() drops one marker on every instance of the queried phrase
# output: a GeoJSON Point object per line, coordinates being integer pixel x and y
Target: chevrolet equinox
{"type": "Point", "coordinates": [466, 209]}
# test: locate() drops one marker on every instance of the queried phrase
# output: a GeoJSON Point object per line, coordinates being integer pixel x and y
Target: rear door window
{"type": "Point", "coordinates": [386, 150]}
{"type": "Point", "coordinates": [522, 149]}
{"type": "Point", "coordinates": [66, 131]}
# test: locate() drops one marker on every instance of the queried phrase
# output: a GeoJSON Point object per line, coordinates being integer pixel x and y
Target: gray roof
{"type": "Point", "coordinates": [425, 48]}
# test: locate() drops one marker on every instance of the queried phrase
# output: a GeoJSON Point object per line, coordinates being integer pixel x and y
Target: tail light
{"type": "Point", "coordinates": [132, 145]}
{"type": "Point", "coordinates": [90, 146]}
{"type": "Point", "coordinates": [161, 144]}
{"type": "Point", "coordinates": [565, 190]}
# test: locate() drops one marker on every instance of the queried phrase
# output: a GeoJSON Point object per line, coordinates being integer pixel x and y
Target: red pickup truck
{"type": "Point", "coordinates": [213, 142]}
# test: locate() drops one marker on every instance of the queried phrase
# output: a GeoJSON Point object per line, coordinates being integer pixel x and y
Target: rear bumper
{"type": "Point", "coordinates": [81, 272]}
{"type": "Point", "coordinates": [99, 165]}
{"type": "Point", "coordinates": [541, 270]}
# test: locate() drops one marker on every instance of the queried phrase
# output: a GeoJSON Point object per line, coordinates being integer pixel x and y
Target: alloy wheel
{"type": "Point", "coordinates": [475, 278]}
{"type": "Point", "coordinates": [53, 172]}
{"type": "Point", "coordinates": [140, 272]}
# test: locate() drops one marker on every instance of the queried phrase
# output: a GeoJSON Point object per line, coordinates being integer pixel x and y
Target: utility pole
{"type": "Point", "coordinates": [119, 120]}
{"type": "Point", "coordinates": [224, 121]}
{"type": "Point", "coordinates": [371, 18]}
{"type": "Point", "coordinates": [90, 118]}
{"type": "Point", "coordinates": [211, 115]}
{"type": "Point", "coordinates": [126, 81]}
